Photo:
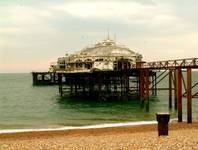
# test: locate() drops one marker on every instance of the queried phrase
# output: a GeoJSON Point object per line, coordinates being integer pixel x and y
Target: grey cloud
{"type": "Point", "coordinates": [52, 35]}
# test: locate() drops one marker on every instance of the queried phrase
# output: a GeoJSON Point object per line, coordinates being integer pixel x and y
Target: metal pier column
{"type": "Point", "coordinates": [170, 88]}
{"type": "Point", "coordinates": [189, 95]}
{"type": "Point", "coordinates": [179, 94]}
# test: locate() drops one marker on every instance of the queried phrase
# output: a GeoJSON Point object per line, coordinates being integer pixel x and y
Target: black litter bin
{"type": "Point", "coordinates": [163, 119]}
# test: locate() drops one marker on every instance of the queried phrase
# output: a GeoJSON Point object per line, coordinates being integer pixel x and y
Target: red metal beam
{"type": "Point", "coordinates": [147, 83]}
{"type": "Point", "coordinates": [189, 95]}
{"type": "Point", "coordinates": [170, 88]}
{"type": "Point", "coordinates": [175, 90]}
{"type": "Point", "coordinates": [141, 84]}
{"type": "Point", "coordinates": [179, 94]}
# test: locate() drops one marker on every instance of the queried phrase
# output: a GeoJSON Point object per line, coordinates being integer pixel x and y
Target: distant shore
{"type": "Point", "coordinates": [181, 136]}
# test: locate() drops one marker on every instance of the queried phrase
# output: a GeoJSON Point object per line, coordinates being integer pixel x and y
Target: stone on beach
{"type": "Point", "coordinates": [181, 136]}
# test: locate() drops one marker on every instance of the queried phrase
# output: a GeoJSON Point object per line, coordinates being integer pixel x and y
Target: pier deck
{"type": "Point", "coordinates": [44, 78]}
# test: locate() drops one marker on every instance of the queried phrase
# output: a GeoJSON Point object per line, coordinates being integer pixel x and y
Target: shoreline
{"type": "Point", "coordinates": [96, 126]}
{"type": "Point", "coordinates": [64, 128]}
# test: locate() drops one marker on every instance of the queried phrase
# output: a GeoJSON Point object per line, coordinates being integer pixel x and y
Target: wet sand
{"type": "Point", "coordinates": [181, 136]}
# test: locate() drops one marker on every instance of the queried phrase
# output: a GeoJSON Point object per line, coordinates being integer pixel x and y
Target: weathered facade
{"type": "Point", "coordinates": [104, 56]}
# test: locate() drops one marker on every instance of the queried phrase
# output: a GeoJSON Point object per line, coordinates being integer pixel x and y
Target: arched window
{"type": "Point", "coordinates": [78, 63]}
{"type": "Point", "coordinates": [88, 63]}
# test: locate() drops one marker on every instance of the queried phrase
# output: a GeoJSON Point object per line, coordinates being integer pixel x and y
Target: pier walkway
{"type": "Point", "coordinates": [170, 64]}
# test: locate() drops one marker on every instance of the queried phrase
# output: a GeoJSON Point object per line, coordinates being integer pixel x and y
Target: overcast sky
{"type": "Point", "coordinates": [35, 33]}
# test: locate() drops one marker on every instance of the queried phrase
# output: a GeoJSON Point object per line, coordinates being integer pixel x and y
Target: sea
{"type": "Point", "coordinates": [24, 106]}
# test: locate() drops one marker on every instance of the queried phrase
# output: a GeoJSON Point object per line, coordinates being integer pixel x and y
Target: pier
{"type": "Point", "coordinates": [110, 71]}
{"type": "Point", "coordinates": [141, 80]}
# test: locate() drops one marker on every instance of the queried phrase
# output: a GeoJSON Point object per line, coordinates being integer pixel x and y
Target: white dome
{"type": "Point", "coordinates": [106, 49]}
{"type": "Point", "coordinates": [105, 55]}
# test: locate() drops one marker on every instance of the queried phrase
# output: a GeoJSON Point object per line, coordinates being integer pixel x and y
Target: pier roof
{"type": "Point", "coordinates": [104, 49]}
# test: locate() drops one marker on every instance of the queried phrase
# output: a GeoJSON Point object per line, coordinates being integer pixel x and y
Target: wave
{"type": "Point", "coordinates": [83, 127]}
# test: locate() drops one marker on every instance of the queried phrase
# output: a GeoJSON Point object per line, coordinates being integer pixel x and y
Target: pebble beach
{"type": "Point", "coordinates": [181, 136]}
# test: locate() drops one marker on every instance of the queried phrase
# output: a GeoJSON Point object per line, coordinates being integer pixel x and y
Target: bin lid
{"type": "Point", "coordinates": [163, 113]}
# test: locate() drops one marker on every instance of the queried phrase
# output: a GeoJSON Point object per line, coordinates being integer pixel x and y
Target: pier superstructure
{"type": "Point", "coordinates": [104, 56]}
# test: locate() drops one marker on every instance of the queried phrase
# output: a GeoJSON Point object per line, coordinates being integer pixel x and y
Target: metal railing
{"type": "Point", "coordinates": [178, 63]}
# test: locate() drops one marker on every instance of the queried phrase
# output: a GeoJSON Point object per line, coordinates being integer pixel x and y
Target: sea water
{"type": "Point", "coordinates": [24, 106]}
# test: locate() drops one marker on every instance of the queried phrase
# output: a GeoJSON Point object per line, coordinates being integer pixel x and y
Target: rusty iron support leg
{"type": "Point", "coordinates": [51, 79]}
{"type": "Point", "coordinates": [152, 84]}
{"type": "Point", "coordinates": [147, 90]}
{"type": "Point", "coordinates": [126, 85]}
{"type": "Point", "coordinates": [99, 79]}
{"type": "Point", "coordinates": [60, 84]}
{"type": "Point", "coordinates": [121, 82]}
{"type": "Point", "coordinates": [35, 79]}
{"type": "Point", "coordinates": [137, 84]}
{"type": "Point", "coordinates": [179, 94]}
{"type": "Point", "coordinates": [189, 95]}
{"type": "Point", "coordinates": [83, 88]}
{"type": "Point", "coordinates": [170, 88]}
{"type": "Point", "coordinates": [175, 89]}
{"type": "Point", "coordinates": [141, 85]}
{"type": "Point", "coordinates": [75, 87]}
{"type": "Point", "coordinates": [43, 78]}
{"type": "Point", "coordinates": [184, 83]}
{"type": "Point", "coordinates": [54, 77]}
{"type": "Point", "coordinates": [71, 86]}
{"type": "Point", "coordinates": [155, 82]}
